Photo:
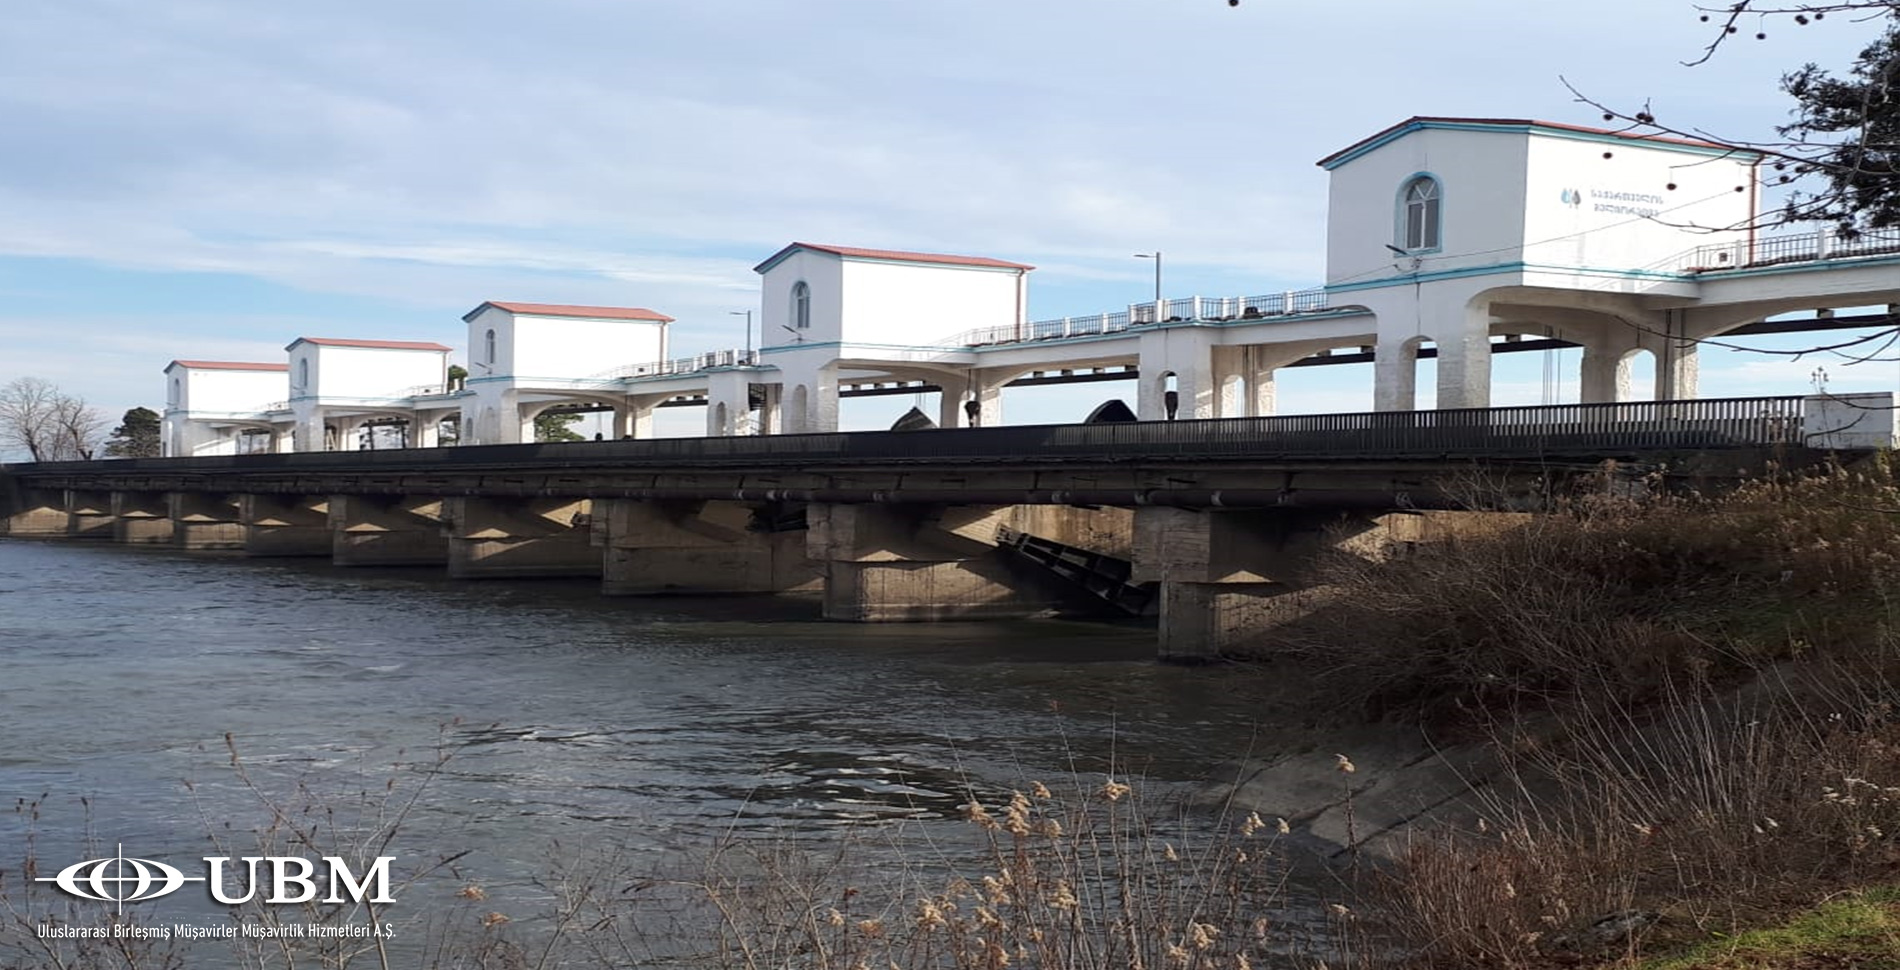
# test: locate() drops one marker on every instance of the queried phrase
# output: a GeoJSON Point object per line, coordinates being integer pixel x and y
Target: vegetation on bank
{"type": "Point", "coordinates": [1692, 701]}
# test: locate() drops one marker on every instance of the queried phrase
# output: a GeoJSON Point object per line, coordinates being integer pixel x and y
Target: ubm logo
{"type": "Point", "coordinates": [291, 880]}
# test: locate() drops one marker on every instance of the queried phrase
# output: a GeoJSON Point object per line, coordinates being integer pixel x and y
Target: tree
{"type": "Point", "coordinates": [1859, 168]}
{"type": "Point", "coordinates": [555, 426]}
{"type": "Point", "coordinates": [137, 435]}
{"type": "Point", "coordinates": [458, 377]}
{"type": "Point", "coordinates": [26, 415]}
{"type": "Point", "coordinates": [1839, 155]}
{"type": "Point", "coordinates": [50, 425]}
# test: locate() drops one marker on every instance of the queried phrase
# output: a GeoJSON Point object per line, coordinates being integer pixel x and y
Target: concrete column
{"type": "Point", "coordinates": [206, 520]}
{"type": "Point", "coordinates": [950, 412]}
{"type": "Point", "coordinates": [307, 433]}
{"type": "Point", "coordinates": [1677, 371]}
{"type": "Point", "coordinates": [1601, 377]}
{"type": "Point", "coordinates": [700, 547]}
{"type": "Point", "coordinates": [283, 439]}
{"type": "Point", "coordinates": [427, 431]}
{"type": "Point", "coordinates": [31, 513]}
{"type": "Point", "coordinates": [377, 530]}
{"type": "Point", "coordinates": [88, 514]}
{"type": "Point", "coordinates": [728, 402]}
{"type": "Point", "coordinates": [887, 563]}
{"type": "Point", "coordinates": [1188, 355]}
{"type": "Point", "coordinates": [1222, 572]}
{"type": "Point", "coordinates": [641, 418]}
{"type": "Point", "coordinates": [1464, 362]}
{"type": "Point", "coordinates": [1395, 374]}
{"type": "Point", "coordinates": [286, 525]}
{"type": "Point", "coordinates": [772, 415]}
{"type": "Point", "coordinates": [494, 537]}
{"type": "Point", "coordinates": [141, 518]}
{"type": "Point", "coordinates": [824, 402]}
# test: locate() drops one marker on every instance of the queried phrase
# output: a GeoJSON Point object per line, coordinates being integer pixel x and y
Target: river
{"type": "Point", "coordinates": [551, 716]}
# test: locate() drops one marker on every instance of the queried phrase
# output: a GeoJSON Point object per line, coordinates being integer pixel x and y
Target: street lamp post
{"type": "Point", "coordinates": [1156, 256]}
{"type": "Point", "coordinates": [748, 332]}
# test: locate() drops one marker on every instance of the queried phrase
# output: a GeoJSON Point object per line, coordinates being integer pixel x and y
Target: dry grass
{"type": "Point", "coordinates": [1693, 699]}
{"type": "Point", "coordinates": [1613, 597]}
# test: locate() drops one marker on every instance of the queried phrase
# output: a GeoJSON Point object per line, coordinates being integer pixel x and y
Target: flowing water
{"type": "Point", "coordinates": [563, 717]}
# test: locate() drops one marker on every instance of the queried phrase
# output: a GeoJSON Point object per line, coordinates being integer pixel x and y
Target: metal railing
{"type": "Point", "coordinates": [1809, 247]}
{"type": "Point", "coordinates": [1193, 309]}
{"type": "Point", "coordinates": [679, 365]}
{"type": "Point", "coordinates": [1591, 431]}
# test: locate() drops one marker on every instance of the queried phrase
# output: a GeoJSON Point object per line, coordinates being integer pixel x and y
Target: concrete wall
{"type": "Point", "coordinates": [824, 273]}
{"type": "Point", "coordinates": [1545, 196]}
{"type": "Point", "coordinates": [1584, 210]}
{"type": "Point", "coordinates": [580, 347]}
{"type": "Point", "coordinates": [1481, 176]}
{"type": "Point", "coordinates": [363, 373]}
{"type": "Point", "coordinates": [914, 303]}
{"type": "Point", "coordinates": [206, 392]}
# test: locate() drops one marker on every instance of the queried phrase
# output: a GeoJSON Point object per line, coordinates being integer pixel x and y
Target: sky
{"type": "Point", "coordinates": [210, 179]}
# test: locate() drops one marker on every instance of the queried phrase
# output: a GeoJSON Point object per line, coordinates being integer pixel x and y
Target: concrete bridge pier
{"type": "Point", "coordinates": [1228, 575]}
{"type": "Point", "coordinates": [286, 525]}
{"type": "Point", "coordinates": [32, 512]}
{"type": "Point", "coordinates": [387, 530]}
{"type": "Point", "coordinates": [139, 518]}
{"type": "Point", "coordinates": [496, 537]}
{"type": "Point", "coordinates": [893, 563]}
{"type": "Point", "coordinates": [88, 514]}
{"type": "Point", "coordinates": [699, 547]}
{"type": "Point", "coordinates": [206, 520]}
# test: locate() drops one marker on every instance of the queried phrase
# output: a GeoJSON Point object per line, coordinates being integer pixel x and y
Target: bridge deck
{"type": "Point", "coordinates": [1568, 430]}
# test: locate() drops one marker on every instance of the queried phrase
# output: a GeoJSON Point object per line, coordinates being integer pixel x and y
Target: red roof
{"type": "Point", "coordinates": [893, 255]}
{"type": "Point", "coordinates": [225, 365]}
{"type": "Point", "coordinates": [564, 310]}
{"type": "Point", "coordinates": [376, 344]}
{"type": "Point", "coordinates": [1422, 121]}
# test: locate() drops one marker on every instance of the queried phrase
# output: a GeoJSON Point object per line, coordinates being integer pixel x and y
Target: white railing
{"type": "Point", "coordinates": [1193, 309]}
{"type": "Point", "coordinates": [679, 365]}
{"type": "Point", "coordinates": [273, 406]}
{"type": "Point", "coordinates": [1807, 247]}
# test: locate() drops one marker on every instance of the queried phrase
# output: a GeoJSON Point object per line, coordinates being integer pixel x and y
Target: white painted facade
{"type": "Point", "coordinates": [829, 312]}
{"type": "Point", "coordinates": [338, 385]}
{"type": "Point", "coordinates": [527, 357]}
{"type": "Point", "coordinates": [1445, 233]}
{"type": "Point", "coordinates": [209, 404]}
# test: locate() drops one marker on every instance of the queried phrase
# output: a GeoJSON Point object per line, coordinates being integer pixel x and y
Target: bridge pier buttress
{"type": "Point", "coordinates": [699, 546]}
{"type": "Point", "coordinates": [896, 563]}
{"type": "Point", "coordinates": [286, 525]}
{"type": "Point", "coordinates": [379, 530]}
{"type": "Point", "coordinates": [32, 512]}
{"type": "Point", "coordinates": [1228, 577]}
{"type": "Point", "coordinates": [501, 537]}
{"type": "Point", "coordinates": [88, 514]}
{"type": "Point", "coordinates": [206, 520]}
{"type": "Point", "coordinates": [141, 518]}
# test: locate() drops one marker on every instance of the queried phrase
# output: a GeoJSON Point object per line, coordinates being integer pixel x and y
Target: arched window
{"type": "Point", "coordinates": [801, 306]}
{"type": "Point", "coordinates": [303, 373]}
{"type": "Point", "coordinates": [488, 347]}
{"type": "Point", "coordinates": [177, 391]}
{"type": "Point", "coordinates": [1418, 214]}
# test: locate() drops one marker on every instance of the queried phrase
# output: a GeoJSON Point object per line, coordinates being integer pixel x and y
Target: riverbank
{"type": "Point", "coordinates": [1629, 727]}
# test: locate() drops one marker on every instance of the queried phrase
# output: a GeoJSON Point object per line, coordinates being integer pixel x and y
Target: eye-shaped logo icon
{"type": "Point", "coordinates": [119, 879]}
